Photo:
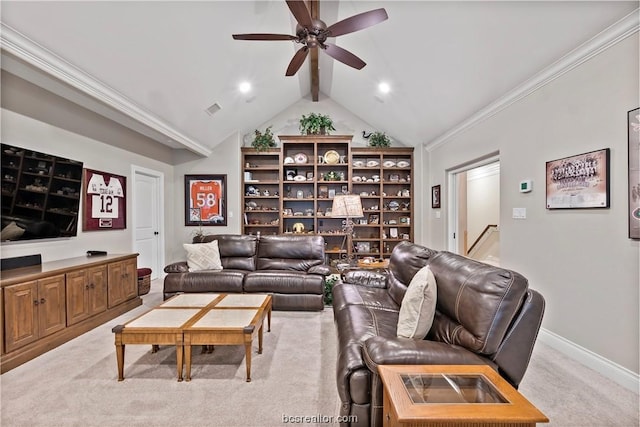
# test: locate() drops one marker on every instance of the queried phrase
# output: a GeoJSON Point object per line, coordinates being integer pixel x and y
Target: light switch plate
{"type": "Point", "coordinates": [519, 213]}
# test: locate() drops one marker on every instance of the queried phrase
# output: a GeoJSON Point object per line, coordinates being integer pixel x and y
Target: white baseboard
{"type": "Point", "coordinates": [606, 367]}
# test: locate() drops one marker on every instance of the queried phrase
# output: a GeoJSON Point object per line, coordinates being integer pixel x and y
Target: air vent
{"type": "Point", "coordinates": [213, 109]}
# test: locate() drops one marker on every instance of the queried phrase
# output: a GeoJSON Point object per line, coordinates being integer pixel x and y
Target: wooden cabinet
{"type": "Point", "coordinates": [123, 282]}
{"type": "Point", "coordinates": [33, 310]}
{"type": "Point", "coordinates": [383, 179]}
{"type": "Point", "coordinates": [290, 189]}
{"type": "Point", "coordinates": [262, 188]}
{"type": "Point", "coordinates": [86, 293]}
{"type": "Point", "coordinates": [49, 304]}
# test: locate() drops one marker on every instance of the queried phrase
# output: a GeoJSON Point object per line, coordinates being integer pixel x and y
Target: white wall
{"type": "Point", "coordinates": [32, 134]}
{"type": "Point", "coordinates": [580, 260]}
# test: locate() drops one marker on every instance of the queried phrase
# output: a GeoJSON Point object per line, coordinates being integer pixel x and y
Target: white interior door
{"type": "Point", "coordinates": [147, 216]}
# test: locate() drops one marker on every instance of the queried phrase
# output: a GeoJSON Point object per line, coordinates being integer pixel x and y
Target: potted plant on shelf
{"type": "Point", "coordinates": [265, 140]}
{"type": "Point", "coordinates": [379, 140]}
{"type": "Point", "coordinates": [316, 124]}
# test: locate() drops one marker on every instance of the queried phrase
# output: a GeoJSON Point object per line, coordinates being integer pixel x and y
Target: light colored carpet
{"type": "Point", "coordinates": [76, 384]}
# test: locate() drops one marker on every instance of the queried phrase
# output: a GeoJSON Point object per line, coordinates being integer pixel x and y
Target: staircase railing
{"type": "Point", "coordinates": [488, 229]}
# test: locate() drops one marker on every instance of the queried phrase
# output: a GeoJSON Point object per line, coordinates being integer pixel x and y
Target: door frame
{"type": "Point", "coordinates": [159, 177]}
{"type": "Point", "coordinates": [452, 197]}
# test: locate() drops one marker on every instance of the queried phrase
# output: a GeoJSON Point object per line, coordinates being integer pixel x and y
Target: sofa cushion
{"type": "Point", "coordinates": [203, 256]}
{"type": "Point", "coordinates": [346, 294]}
{"type": "Point", "coordinates": [406, 259]}
{"type": "Point", "coordinates": [205, 281]}
{"type": "Point", "coordinates": [236, 251]}
{"type": "Point", "coordinates": [297, 253]}
{"type": "Point", "coordinates": [418, 306]}
{"type": "Point", "coordinates": [476, 302]}
{"type": "Point", "coordinates": [283, 282]}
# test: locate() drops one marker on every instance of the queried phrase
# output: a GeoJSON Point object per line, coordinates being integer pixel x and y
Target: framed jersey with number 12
{"type": "Point", "coordinates": [205, 200]}
{"type": "Point", "coordinates": [105, 201]}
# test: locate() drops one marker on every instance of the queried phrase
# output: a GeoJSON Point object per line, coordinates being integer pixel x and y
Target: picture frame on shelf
{"type": "Point", "coordinates": [363, 247]}
{"type": "Point", "coordinates": [579, 182]}
{"type": "Point", "coordinates": [435, 197]}
{"type": "Point", "coordinates": [205, 200]}
{"type": "Point", "coordinates": [633, 139]}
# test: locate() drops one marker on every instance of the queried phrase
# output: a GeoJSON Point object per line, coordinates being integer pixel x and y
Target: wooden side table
{"type": "Point", "coordinates": [453, 395]}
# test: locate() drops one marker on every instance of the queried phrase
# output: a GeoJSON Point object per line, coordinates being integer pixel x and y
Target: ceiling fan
{"type": "Point", "coordinates": [312, 33]}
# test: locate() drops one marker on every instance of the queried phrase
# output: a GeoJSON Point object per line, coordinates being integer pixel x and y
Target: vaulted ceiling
{"type": "Point", "coordinates": [170, 61]}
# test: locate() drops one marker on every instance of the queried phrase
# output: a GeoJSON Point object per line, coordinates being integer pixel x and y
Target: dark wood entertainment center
{"type": "Point", "coordinates": [46, 305]}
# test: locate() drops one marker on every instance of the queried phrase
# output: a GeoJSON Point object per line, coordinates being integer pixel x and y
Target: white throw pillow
{"type": "Point", "coordinates": [203, 256]}
{"type": "Point", "coordinates": [418, 306]}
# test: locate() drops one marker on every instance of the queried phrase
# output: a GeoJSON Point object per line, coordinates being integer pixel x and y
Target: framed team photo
{"type": "Point", "coordinates": [205, 200]}
{"type": "Point", "coordinates": [580, 181]}
{"type": "Point", "coordinates": [105, 201]}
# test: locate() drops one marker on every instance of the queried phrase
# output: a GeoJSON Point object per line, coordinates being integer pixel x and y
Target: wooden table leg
{"type": "Point", "coordinates": [247, 350]}
{"type": "Point", "coordinates": [119, 351]}
{"type": "Point", "coordinates": [260, 337]}
{"type": "Point", "coordinates": [179, 354]}
{"type": "Point", "coordinates": [248, 333]}
{"type": "Point", "coordinates": [187, 355]}
{"type": "Point", "coordinates": [269, 319]}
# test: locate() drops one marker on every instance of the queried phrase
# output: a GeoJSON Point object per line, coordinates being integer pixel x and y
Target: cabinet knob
{"type": "Point", "coordinates": [42, 300]}
{"type": "Point", "coordinates": [35, 302]}
{"type": "Point", "coordinates": [92, 286]}
{"type": "Point", "coordinates": [86, 287]}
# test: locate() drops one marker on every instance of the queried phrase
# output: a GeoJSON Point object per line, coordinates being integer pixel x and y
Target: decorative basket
{"type": "Point", "coordinates": [144, 281]}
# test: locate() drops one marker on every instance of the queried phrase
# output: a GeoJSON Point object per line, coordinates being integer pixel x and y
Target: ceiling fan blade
{"type": "Point", "coordinates": [344, 56]}
{"type": "Point", "coordinates": [357, 22]}
{"type": "Point", "coordinates": [299, 10]}
{"type": "Point", "coordinates": [262, 36]}
{"type": "Point", "coordinates": [297, 61]}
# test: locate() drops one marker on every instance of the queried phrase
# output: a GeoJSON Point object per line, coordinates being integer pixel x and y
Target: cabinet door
{"type": "Point", "coordinates": [122, 282]}
{"type": "Point", "coordinates": [97, 280]}
{"type": "Point", "coordinates": [21, 314]}
{"type": "Point", "coordinates": [77, 297]}
{"type": "Point", "coordinates": [51, 307]}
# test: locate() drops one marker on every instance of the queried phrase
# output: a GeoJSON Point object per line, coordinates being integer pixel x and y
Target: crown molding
{"type": "Point", "coordinates": [610, 36]}
{"type": "Point", "coordinates": [37, 56]}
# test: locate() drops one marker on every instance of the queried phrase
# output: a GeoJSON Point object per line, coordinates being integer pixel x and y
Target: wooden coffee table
{"type": "Point", "coordinates": [235, 319]}
{"type": "Point", "coordinates": [173, 320]}
{"type": "Point", "coordinates": [452, 395]}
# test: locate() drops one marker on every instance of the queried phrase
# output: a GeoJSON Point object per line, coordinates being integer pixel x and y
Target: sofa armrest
{"type": "Point", "coordinates": [405, 351]}
{"type": "Point", "coordinates": [368, 278]}
{"type": "Point", "coordinates": [321, 270]}
{"type": "Point", "coordinates": [177, 267]}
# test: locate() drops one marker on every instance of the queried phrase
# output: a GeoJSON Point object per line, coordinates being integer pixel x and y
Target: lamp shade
{"type": "Point", "coordinates": [347, 206]}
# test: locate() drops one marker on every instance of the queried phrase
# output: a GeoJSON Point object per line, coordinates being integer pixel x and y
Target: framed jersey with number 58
{"type": "Point", "coordinates": [205, 200]}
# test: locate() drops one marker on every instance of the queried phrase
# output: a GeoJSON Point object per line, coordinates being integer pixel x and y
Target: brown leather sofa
{"type": "Point", "coordinates": [484, 315]}
{"type": "Point", "coordinates": [291, 268]}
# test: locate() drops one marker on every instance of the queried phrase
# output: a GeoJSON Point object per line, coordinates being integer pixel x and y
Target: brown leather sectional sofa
{"type": "Point", "coordinates": [291, 268]}
{"type": "Point", "coordinates": [484, 315]}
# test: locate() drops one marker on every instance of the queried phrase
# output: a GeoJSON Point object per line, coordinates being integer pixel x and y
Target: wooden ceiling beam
{"type": "Point", "coordinates": [314, 8]}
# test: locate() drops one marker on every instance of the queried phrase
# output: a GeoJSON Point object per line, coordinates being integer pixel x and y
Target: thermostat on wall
{"type": "Point", "coordinates": [526, 186]}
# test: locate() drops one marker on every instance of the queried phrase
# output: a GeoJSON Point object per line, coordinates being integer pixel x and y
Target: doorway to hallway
{"type": "Point", "coordinates": [474, 210]}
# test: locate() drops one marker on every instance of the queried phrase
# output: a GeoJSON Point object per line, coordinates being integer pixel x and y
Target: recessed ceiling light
{"type": "Point", "coordinates": [244, 87]}
{"type": "Point", "coordinates": [384, 87]}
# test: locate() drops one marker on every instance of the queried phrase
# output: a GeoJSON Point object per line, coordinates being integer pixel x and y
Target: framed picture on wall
{"type": "Point", "coordinates": [579, 182]}
{"type": "Point", "coordinates": [633, 129]}
{"type": "Point", "coordinates": [205, 200]}
{"type": "Point", "coordinates": [105, 201]}
{"type": "Point", "coordinates": [435, 197]}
